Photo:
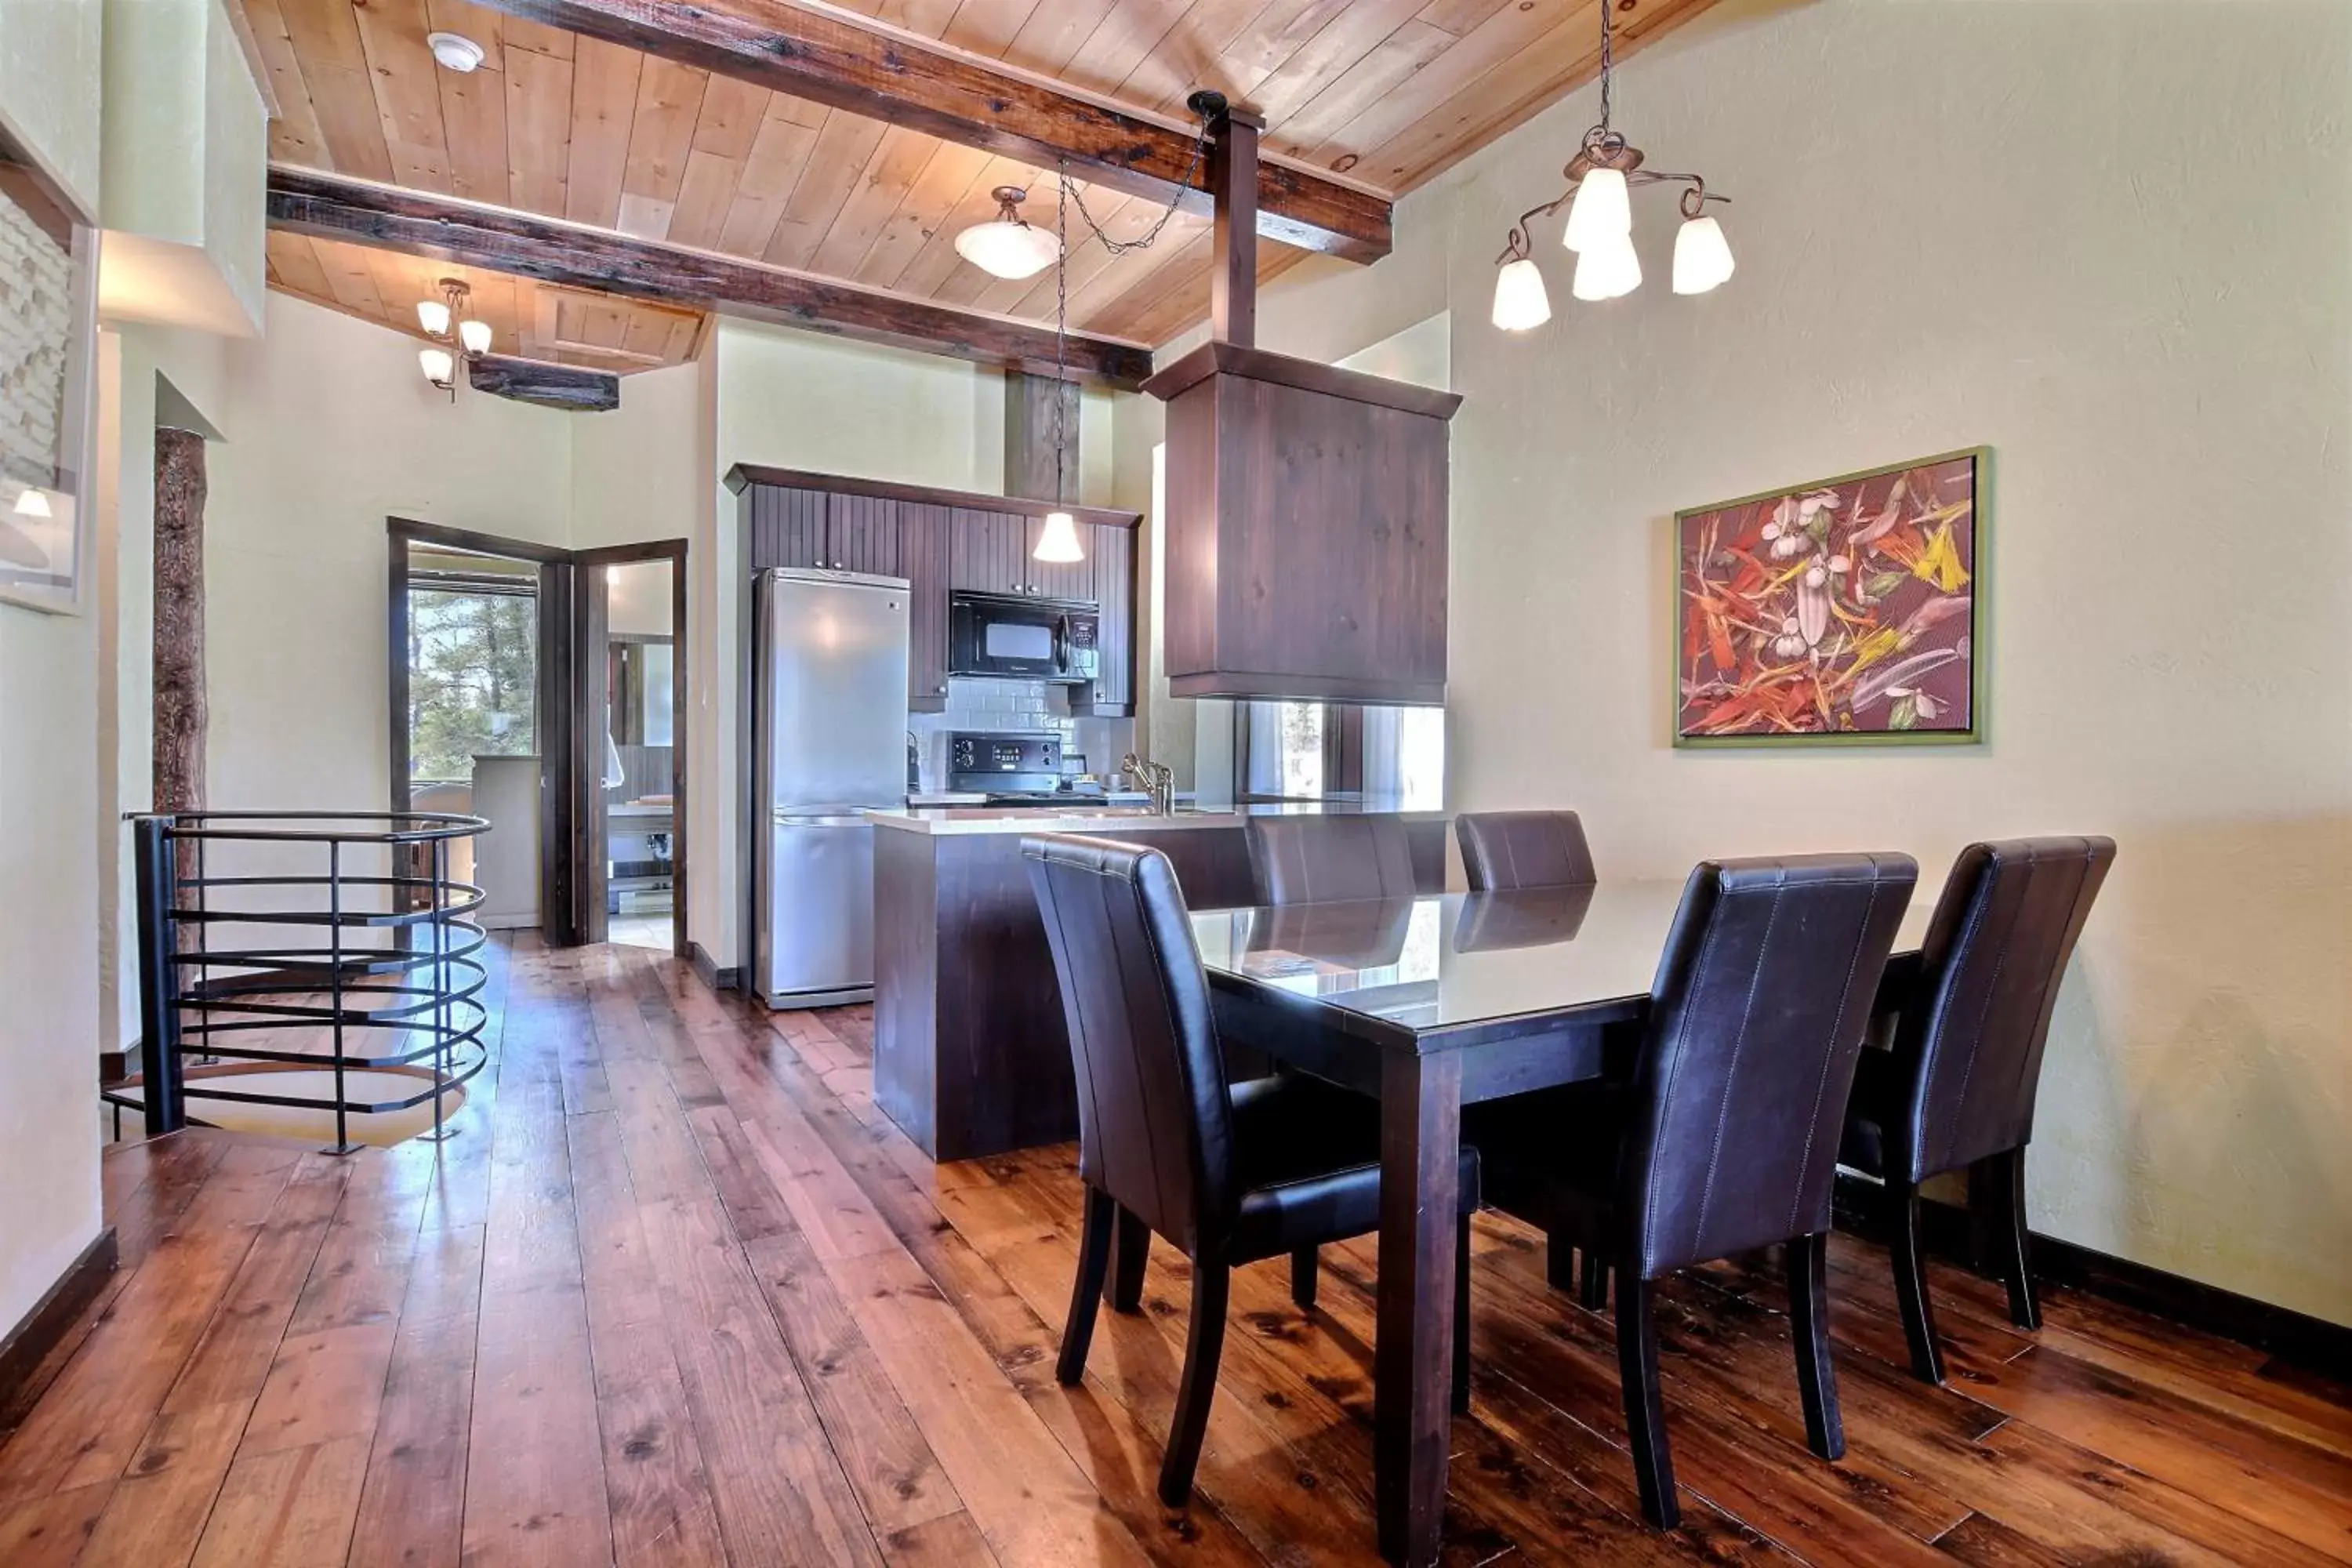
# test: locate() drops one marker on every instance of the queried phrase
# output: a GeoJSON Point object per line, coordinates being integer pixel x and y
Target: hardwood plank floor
{"type": "Point", "coordinates": [678, 1294]}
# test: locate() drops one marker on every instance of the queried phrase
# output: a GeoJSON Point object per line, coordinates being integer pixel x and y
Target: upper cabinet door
{"type": "Point", "coordinates": [989, 553]}
{"type": "Point", "coordinates": [862, 535]}
{"type": "Point", "coordinates": [923, 549]}
{"type": "Point", "coordinates": [788, 526]}
{"type": "Point", "coordinates": [1111, 554]}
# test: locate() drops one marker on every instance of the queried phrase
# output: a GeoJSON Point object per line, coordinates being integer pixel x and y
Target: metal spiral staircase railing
{"type": "Point", "coordinates": [334, 941]}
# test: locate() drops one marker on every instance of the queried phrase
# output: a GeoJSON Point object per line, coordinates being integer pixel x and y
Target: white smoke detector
{"type": "Point", "coordinates": [455, 50]}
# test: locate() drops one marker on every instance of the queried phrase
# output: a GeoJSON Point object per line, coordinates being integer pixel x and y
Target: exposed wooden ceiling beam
{"type": "Point", "coordinates": [332, 206]}
{"type": "Point", "coordinates": [844, 62]}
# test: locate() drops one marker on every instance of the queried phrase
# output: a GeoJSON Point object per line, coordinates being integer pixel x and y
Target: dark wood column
{"type": "Point", "coordinates": [1233, 238]}
{"type": "Point", "coordinates": [180, 710]}
{"type": "Point", "coordinates": [1029, 436]}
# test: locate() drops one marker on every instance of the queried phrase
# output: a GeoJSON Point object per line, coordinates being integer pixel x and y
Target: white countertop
{"type": "Point", "coordinates": [1082, 818]}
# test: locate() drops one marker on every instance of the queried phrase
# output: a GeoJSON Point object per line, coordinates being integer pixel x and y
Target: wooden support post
{"type": "Point", "coordinates": [1233, 185]}
{"type": "Point", "coordinates": [1029, 436]}
{"type": "Point", "coordinates": [180, 711]}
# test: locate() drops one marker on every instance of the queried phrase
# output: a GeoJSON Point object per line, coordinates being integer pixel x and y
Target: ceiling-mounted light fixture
{"type": "Point", "coordinates": [456, 51]}
{"type": "Point", "coordinates": [1601, 178]}
{"type": "Point", "coordinates": [444, 318]}
{"type": "Point", "coordinates": [1007, 245]}
{"type": "Point", "coordinates": [1059, 540]}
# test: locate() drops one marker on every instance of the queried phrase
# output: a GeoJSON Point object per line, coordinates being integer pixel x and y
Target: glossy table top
{"type": "Point", "coordinates": [1468, 964]}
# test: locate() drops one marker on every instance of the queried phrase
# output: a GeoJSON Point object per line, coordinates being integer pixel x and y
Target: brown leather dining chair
{"type": "Point", "coordinates": [1957, 1090]}
{"type": "Point", "coordinates": [1330, 859]}
{"type": "Point", "coordinates": [1723, 1139]}
{"type": "Point", "coordinates": [1507, 849]}
{"type": "Point", "coordinates": [1228, 1173]}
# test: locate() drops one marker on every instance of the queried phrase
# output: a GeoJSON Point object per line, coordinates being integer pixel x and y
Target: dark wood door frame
{"type": "Point", "coordinates": [571, 606]}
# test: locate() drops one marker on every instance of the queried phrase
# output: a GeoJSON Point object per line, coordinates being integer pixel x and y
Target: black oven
{"type": "Point", "coordinates": [1022, 638]}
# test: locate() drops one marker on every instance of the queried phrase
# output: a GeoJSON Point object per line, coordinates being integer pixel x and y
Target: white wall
{"type": "Point", "coordinates": [50, 67]}
{"type": "Point", "coordinates": [2027, 236]}
{"type": "Point", "coordinates": [332, 431]}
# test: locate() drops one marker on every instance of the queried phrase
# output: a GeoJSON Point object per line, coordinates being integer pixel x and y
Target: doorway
{"type": "Point", "coordinates": [544, 690]}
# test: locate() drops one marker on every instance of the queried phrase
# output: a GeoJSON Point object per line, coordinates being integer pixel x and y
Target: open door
{"type": "Point", "coordinates": [515, 695]}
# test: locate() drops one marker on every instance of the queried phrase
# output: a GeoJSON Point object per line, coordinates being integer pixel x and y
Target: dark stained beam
{"type": "Point", "coordinates": [565, 386]}
{"type": "Point", "coordinates": [843, 63]}
{"type": "Point", "coordinates": [332, 206]}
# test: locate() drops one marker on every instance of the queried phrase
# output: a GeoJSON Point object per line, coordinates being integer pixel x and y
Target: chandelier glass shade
{"type": "Point", "coordinates": [1702, 256]}
{"type": "Point", "coordinates": [1006, 246]}
{"type": "Point", "coordinates": [1520, 301]}
{"type": "Point", "coordinates": [1059, 540]}
{"type": "Point", "coordinates": [1601, 211]}
{"type": "Point", "coordinates": [455, 335]}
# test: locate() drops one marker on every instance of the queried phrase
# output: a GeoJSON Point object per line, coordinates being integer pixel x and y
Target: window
{"type": "Point", "coordinates": [473, 674]}
{"type": "Point", "coordinates": [1392, 758]}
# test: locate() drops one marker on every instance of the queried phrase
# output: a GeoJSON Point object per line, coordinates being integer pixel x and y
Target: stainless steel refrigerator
{"type": "Point", "coordinates": [829, 732]}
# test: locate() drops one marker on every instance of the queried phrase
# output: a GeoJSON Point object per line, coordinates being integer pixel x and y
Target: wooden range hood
{"type": "Point", "coordinates": [1306, 506]}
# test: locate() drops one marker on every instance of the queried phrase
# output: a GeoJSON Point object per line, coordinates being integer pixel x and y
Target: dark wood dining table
{"type": "Point", "coordinates": [1431, 1004]}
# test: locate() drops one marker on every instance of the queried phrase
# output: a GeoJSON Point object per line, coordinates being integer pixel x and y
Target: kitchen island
{"type": "Point", "coordinates": [970, 1057]}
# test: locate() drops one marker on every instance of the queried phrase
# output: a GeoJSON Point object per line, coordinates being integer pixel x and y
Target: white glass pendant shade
{"type": "Point", "coordinates": [1059, 540]}
{"type": "Point", "coordinates": [1007, 248]}
{"type": "Point", "coordinates": [439, 367]}
{"type": "Point", "coordinates": [433, 317]}
{"type": "Point", "coordinates": [1520, 301]}
{"type": "Point", "coordinates": [1601, 211]}
{"type": "Point", "coordinates": [32, 503]}
{"type": "Point", "coordinates": [1607, 271]}
{"type": "Point", "coordinates": [474, 336]}
{"type": "Point", "coordinates": [1702, 256]}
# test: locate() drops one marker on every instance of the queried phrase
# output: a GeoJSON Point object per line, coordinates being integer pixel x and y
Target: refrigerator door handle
{"type": "Point", "coordinates": [818, 819]}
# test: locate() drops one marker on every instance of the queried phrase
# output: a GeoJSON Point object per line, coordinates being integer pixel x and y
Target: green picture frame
{"type": "Point", "coordinates": [1843, 663]}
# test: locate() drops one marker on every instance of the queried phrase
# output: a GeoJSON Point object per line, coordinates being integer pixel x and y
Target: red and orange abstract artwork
{"type": "Point", "coordinates": [1843, 609]}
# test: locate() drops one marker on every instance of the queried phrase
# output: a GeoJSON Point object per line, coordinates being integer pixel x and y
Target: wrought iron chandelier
{"type": "Point", "coordinates": [1600, 229]}
{"type": "Point", "coordinates": [445, 321]}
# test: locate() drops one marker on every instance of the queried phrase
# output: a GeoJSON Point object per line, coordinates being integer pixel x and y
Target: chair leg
{"type": "Point", "coordinates": [1127, 1267]}
{"type": "Point", "coordinates": [1204, 1346]}
{"type": "Point", "coordinates": [1594, 1296]}
{"type": "Point", "coordinates": [1461, 1318]}
{"type": "Point", "coordinates": [1304, 1264]}
{"type": "Point", "coordinates": [2011, 1239]}
{"type": "Point", "coordinates": [1911, 1283]}
{"type": "Point", "coordinates": [1559, 1262]}
{"type": "Point", "coordinates": [1085, 1294]}
{"type": "Point", "coordinates": [1808, 1315]}
{"type": "Point", "coordinates": [1645, 1412]}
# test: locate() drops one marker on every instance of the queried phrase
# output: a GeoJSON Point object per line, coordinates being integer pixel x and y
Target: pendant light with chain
{"type": "Point", "coordinates": [1059, 540]}
{"type": "Point", "coordinates": [1601, 177]}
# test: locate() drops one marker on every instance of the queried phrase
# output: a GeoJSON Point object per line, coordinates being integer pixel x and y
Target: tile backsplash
{"type": "Point", "coordinates": [979, 703]}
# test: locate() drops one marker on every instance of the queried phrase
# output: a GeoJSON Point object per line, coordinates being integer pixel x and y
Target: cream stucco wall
{"type": "Point", "coordinates": [2030, 237]}
{"type": "Point", "coordinates": [49, 64]}
{"type": "Point", "coordinates": [332, 430]}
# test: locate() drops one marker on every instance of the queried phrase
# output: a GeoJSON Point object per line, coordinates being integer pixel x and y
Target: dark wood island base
{"type": "Point", "coordinates": [970, 1057]}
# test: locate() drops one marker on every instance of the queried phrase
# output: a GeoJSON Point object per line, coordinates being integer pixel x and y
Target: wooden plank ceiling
{"type": "Point", "coordinates": [1383, 92]}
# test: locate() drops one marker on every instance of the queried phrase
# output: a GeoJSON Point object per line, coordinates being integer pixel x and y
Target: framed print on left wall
{"type": "Point", "coordinates": [1841, 612]}
{"type": "Point", "coordinates": [48, 335]}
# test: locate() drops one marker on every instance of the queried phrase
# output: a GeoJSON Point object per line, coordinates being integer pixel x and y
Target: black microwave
{"type": "Point", "coordinates": [1022, 638]}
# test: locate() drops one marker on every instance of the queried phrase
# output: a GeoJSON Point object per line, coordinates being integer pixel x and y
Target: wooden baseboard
{"type": "Point", "coordinates": [2310, 1342]}
{"type": "Point", "coordinates": [717, 979]}
{"type": "Point", "coordinates": [30, 1343]}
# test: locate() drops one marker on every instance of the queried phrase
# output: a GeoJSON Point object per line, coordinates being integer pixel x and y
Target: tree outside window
{"type": "Point", "coordinates": [473, 680]}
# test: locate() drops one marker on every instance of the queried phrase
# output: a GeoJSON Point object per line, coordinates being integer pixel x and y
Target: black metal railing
{"type": "Point", "coordinates": [334, 941]}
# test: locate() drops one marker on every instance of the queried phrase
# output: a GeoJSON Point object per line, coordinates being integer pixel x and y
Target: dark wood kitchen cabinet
{"type": "Point", "coordinates": [923, 538]}
{"type": "Point", "coordinates": [798, 527]}
{"type": "Point", "coordinates": [989, 553]}
{"type": "Point", "coordinates": [1110, 552]}
{"type": "Point", "coordinates": [1306, 530]}
{"type": "Point", "coordinates": [942, 541]}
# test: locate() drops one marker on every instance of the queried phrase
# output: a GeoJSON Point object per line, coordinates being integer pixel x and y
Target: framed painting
{"type": "Point", "coordinates": [1843, 612]}
{"type": "Point", "coordinates": [47, 303]}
